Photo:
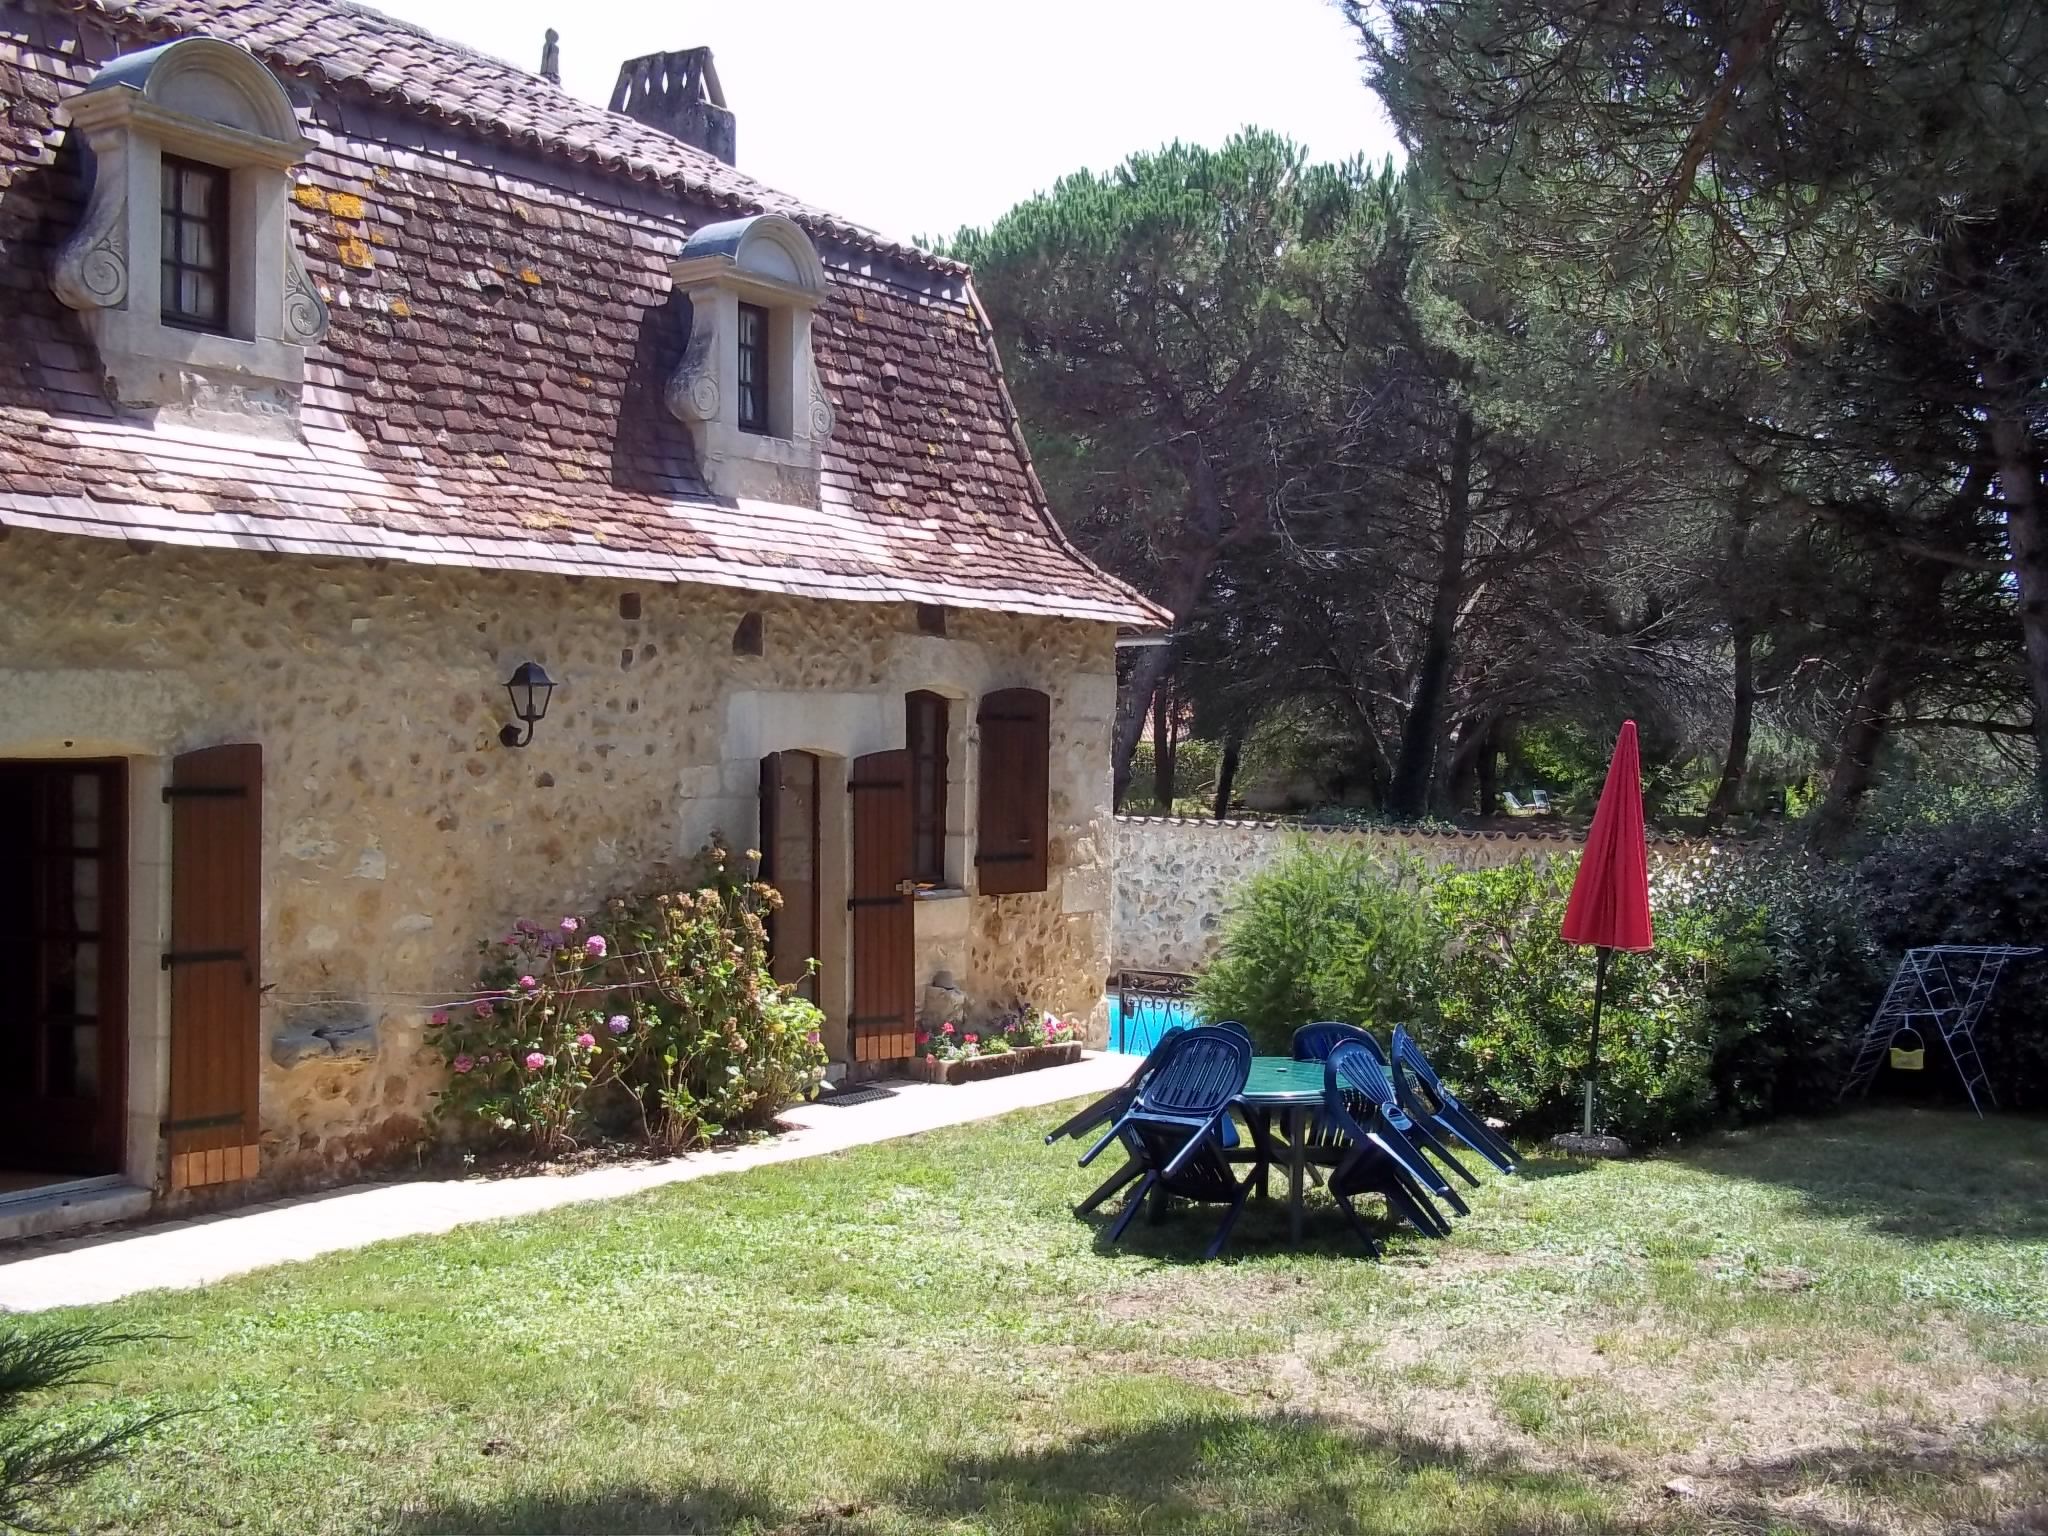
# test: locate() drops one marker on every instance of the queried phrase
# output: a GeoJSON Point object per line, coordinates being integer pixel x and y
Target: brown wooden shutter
{"type": "Point", "coordinates": [882, 1020]}
{"type": "Point", "coordinates": [1016, 739]}
{"type": "Point", "coordinates": [216, 800]}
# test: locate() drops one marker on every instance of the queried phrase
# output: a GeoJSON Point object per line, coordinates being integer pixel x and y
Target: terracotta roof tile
{"type": "Point", "coordinates": [490, 389]}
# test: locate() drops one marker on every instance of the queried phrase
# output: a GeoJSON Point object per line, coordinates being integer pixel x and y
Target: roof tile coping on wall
{"type": "Point", "coordinates": [1487, 834]}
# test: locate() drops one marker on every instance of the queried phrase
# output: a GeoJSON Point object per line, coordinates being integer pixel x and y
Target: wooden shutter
{"type": "Point", "coordinates": [216, 801]}
{"type": "Point", "coordinates": [882, 1021]}
{"type": "Point", "coordinates": [1016, 739]}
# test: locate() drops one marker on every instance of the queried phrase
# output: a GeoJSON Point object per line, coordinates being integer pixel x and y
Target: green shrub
{"type": "Point", "coordinates": [1326, 932]}
{"type": "Point", "coordinates": [43, 1452]}
{"type": "Point", "coordinates": [1762, 973]}
{"type": "Point", "coordinates": [666, 1004]}
{"type": "Point", "coordinates": [1515, 1003]}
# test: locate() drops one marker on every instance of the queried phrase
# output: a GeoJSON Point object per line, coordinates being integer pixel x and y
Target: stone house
{"type": "Point", "coordinates": [347, 375]}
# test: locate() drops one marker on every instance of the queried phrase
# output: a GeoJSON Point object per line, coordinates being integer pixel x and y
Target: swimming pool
{"type": "Point", "coordinates": [1150, 1017]}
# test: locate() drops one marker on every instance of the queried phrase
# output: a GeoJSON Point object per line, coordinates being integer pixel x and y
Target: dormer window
{"type": "Point", "coordinates": [183, 266]}
{"type": "Point", "coordinates": [746, 385]}
{"type": "Point", "coordinates": [753, 368]}
{"type": "Point", "coordinates": [195, 245]}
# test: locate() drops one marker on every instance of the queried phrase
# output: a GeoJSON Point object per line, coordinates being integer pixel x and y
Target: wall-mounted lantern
{"type": "Point", "coordinates": [530, 688]}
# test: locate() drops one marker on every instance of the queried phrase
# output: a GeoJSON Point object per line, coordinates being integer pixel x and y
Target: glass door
{"type": "Point", "coordinates": [62, 983]}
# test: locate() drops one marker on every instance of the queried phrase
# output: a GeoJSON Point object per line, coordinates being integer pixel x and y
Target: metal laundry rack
{"type": "Point", "coordinates": [1941, 989]}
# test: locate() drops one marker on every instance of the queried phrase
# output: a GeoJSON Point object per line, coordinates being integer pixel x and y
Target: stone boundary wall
{"type": "Point", "coordinates": [1173, 877]}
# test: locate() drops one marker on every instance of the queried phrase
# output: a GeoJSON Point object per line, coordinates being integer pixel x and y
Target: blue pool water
{"type": "Point", "coordinates": [1150, 1017]}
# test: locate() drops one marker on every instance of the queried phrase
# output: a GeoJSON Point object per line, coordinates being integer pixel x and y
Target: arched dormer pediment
{"type": "Point", "coordinates": [184, 267]}
{"type": "Point", "coordinates": [747, 386]}
{"type": "Point", "coordinates": [767, 250]}
{"type": "Point", "coordinates": [190, 86]}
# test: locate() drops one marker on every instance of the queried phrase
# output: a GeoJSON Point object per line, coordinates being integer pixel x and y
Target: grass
{"type": "Point", "coordinates": [1827, 1328]}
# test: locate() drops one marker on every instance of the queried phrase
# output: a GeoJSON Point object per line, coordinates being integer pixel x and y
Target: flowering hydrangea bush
{"type": "Point", "coordinates": [663, 1006]}
{"type": "Point", "coordinates": [1006, 1032]}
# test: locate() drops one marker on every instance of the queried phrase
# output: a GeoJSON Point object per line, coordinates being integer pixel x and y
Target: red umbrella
{"type": "Point", "coordinates": [1610, 903]}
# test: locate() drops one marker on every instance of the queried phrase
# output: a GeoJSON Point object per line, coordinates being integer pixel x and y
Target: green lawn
{"type": "Point", "coordinates": [1837, 1327]}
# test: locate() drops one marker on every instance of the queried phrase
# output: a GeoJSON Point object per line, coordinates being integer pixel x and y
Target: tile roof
{"type": "Point", "coordinates": [496, 254]}
{"type": "Point", "coordinates": [359, 51]}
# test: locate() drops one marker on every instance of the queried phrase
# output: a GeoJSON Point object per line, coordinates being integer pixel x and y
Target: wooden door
{"type": "Point", "coordinates": [216, 800]}
{"type": "Point", "coordinates": [789, 862]}
{"type": "Point", "coordinates": [882, 1021]}
{"type": "Point", "coordinates": [63, 966]}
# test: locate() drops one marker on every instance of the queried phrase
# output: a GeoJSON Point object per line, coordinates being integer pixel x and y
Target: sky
{"type": "Point", "coordinates": [915, 118]}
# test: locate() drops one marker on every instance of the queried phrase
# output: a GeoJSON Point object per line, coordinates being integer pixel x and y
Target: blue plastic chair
{"type": "Point", "coordinates": [1410, 1069]}
{"type": "Point", "coordinates": [1359, 1112]}
{"type": "Point", "coordinates": [1111, 1104]}
{"type": "Point", "coordinates": [1174, 1129]}
{"type": "Point", "coordinates": [1314, 1042]}
{"type": "Point", "coordinates": [1418, 1130]}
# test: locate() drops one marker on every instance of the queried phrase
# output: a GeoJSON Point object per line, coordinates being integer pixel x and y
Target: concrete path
{"type": "Point", "coordinates": [179, 1255]}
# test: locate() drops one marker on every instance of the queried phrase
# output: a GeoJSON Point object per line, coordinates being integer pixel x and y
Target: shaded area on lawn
{"type": "Point", "coordinates": [1938, 1177]}
{"type": "Point", "coordinates": [1219, 1471]}
{"type": "Point", "coordinates": [1265, 1475]}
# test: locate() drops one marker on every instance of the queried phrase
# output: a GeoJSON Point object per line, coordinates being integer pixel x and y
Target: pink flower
{"type": "Point", "coordinates": [462, 1063]}
{"type": "Point", "coordinates": [924, 1037]}
{"type": "Point", "coordinates": [946, 1028]}
{"type": "Point", "coordinates": [570, 925]}
{"type": "Point", "coordinates": [535, 1061]}
{"type": "Point", "coordinates": [974, 1039]}
{"type": "Point", "coordinates": [812, 1037]}
{"type": "Point", "coordinates": [587, 1040]}
{"type": "Point", "coordinates": [594, 946]}
{"type": "Point", "coordinates": [440, 1017]}
{"type": "Point", "coordinates": [528, 983]}
{"type": "Point", "coordinates": [483, 1010]}
{"type": "Point", "coordinates": [618, 1023]}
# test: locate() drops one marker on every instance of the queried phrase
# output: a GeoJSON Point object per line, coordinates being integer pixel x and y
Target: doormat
{"type": "Point", "coordinates": [863, 1093]}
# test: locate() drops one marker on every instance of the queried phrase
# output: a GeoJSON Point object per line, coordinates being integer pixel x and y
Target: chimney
{"type": "Point", "coordinates": [551, 57]}
{"type": "Point", "coordinates": [679, 94]}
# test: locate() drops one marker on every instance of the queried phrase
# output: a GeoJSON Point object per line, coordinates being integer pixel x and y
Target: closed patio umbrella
{"type": "Point", "coordinates": [1610, 901]}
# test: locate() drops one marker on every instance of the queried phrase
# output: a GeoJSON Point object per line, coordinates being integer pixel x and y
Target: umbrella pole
{"type": "Point", "coordinates": [1593, 1057]}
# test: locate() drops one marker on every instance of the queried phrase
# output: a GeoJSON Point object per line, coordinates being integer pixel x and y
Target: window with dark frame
{"type": "Point", "coordinates": [753, 368]}
{"type": "Point", "coordinates": [925, 730]}
{"type": "Point", "coordinates": [194, 209]}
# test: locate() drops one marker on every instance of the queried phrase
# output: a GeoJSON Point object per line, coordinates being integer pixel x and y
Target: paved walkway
{"type": "Point", "coordinates": [179, 1255]}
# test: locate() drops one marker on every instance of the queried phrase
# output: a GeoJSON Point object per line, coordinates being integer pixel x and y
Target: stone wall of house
{"type": "Point", "coordinates": [398, 831]}
{"type": "Point", "coordinates": [1174, 878]}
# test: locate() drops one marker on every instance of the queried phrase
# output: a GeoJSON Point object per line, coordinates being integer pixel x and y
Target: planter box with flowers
{"type": "Point", "coordinates": [1021, 1041]}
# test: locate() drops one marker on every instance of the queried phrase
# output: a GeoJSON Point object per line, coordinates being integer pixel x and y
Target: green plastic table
{"type": "Point", "coordinates": [1280, 1085]}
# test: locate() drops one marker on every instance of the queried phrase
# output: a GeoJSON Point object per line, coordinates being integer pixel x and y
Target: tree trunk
{"type": "Point", "coordinates": [2026, 524]}
{"type": "Point", "coordinates": [1226, 770]}
{"type": "Point", "coordinates": [1413, 769]}
{"type": "Point", "coordinates": [1735, 767]}
{"type": "Point", "coordinates": [1489, 774]}
{"type": "Point", "coordinates": [1165, 730]}
{"type": "Point", "coordinates": [1856, 754]}
{"type": "Point", "coordinates": [1183, 591]}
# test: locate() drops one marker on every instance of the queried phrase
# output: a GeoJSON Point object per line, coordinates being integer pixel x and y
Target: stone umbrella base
{"type": "Point", "coordinates": [1575, 1144]}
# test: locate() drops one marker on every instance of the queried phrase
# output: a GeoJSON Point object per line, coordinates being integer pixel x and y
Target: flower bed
{"type": "Point", "coordinates": [1019, 1041]}
{"type": "Point", "coordinates": [973, 1069]}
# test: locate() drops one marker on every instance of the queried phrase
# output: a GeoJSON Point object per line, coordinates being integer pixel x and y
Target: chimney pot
{"type": "Point", "coordinates": [551, 57]}
{"type": "Point", "coordinates": [679, 94]}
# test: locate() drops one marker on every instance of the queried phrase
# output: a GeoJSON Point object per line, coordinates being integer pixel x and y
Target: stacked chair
{"type": "Point", "coordinates": [1418, 1087]}
{"type": "Point", "coordinates": [1174, 1126]}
